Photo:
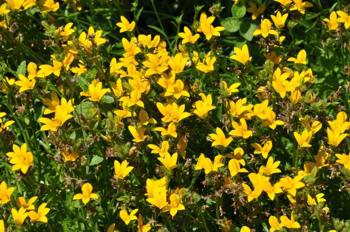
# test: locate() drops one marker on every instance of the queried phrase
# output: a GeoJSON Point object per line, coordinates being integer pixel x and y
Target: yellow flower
{"type": "Point", "coordinates": [46, 69]}
{"type": "Point", "coordinates": [144, 228]}
{"type": "Point", "coordinates": [21, 202]}
{"type": "Point", "coordinates": [300, 6]}
{"type": "Point", "coordinates": [265, 29]}
{"type": "Point", "coordinates": [209, 166]}
{"type": "Point", "coordinates": [65, 31]}
{"type": "Point", "coordinates": [332, 22]}
{"type": "Point", "coordinates": [245, 229]}
{"type": "Point", "coordinates": [238, 153]}
{"type": "Point", "coordinates": [4, 125]}
{"type": "Point", "coordinates": [289, 223]}
{"type": "Point", "coordinates": [202, 107]}
{"type": "Point", "coordinates": [255, 10]}
{"type": "Point", "coordinates": [86, 194]}
{"type": "Point", "coordinates": [169, 161]}
{"type": "Point", "coordinates": [19, 216]}
{"type": "Point", "coordinates": [300, 59]}
{"type": "Point", "coordinates": [263, 150]}
{"type": "Point", "coordinates": [122, 113]}
{"type": "Point", "coordinates": [270, 168]}
{"type": "Point", "coordinates": [125, 25]}
{"type": "Point", "coordinates": [344, 160]}
{"type": "Point", "coordinates": [131, 48]}
{"type": "Point", "coordinates": [32, 70]}
{"type": "Point", "coordinates": [240, 108]}
{"type": "Point", "coordinates": [20, 158]}
{"type": "Point", "coordinates": [2, 226]}
{"type": "Point", "coordinates": [156, 64]}
{"type": "Point", "coordinates": [284, 3]}
{"type": "Point", "coordinates": [95, 91]}
{"type": "Point", "coordinates": [241, 54]}
{"type": "Point", "coordinates": [3, 24]}
{"type": "Point", "coordinates": [219, 138]}
{"type": "Point", "coordinates": [206, 27]}
{"type": "Point", "coordinates": [274, 224]}
{"type": "Point", "coordinates": [50, 124]}
{"type": "Point", "coordinates": [137, 133]}
{"type": "Point", "coordinates": [304, 138]}
{"type": "Point", "coordinates": [4, 10]}
{"type": "Point", "coordinates": [118, 89]}
{"type": "Point", "coordinates": [78, 70]}
{"type": "Point", "coordinates": [159, 200]}
{"type": "Point", "coordinates": [344, 18]}
{"type": "Point", "coordinates": [97, 36]}
{"type": "Point", "coordinates": [177, 63]}
{"type": "Point", "coordinates": [127, 218]}
{"type": "Point", "coordinates": [274, 57]}
{"type": "Point", "coordinates": [279, 20]}
{"type": "Point", "coordinates": [234, 166]}
{"type": "Point", "coordinates": [312, 201]}
{"type": "Point", "coordinates": [169, 131]}
{"type": "Point", "coordinates": [175, 204]}
{"type": "Point", "coordinates": [62, 114]}
{"type": "Point", "coordinates": [319, 198]}
{"type": "Point", "coordinates": [251, 194]}
{"type": "Point", "coordinates": [5, 193]}
{"type": "Point", "coordinates": [188, 37]}
{"type": "Point", "coordinates": [25, 83]}
{"type": "Point", "coordinates": [272, 190]}
{"type": "Point", "coordinates": [291, 185]}
{"type": "Point", "coordinates": [265, 113]}
{"type": "Point", "coordinates": [207, 65]}
{"type": "Point", "coordinates": [86, 40]}
{"type": "Point", "coordinates": [172, 112]}
{"type": "Point", "coordinates": [260, 183]}
{"type": "Point", "coordinates": [133, 99]}
{"type": "Point", "coordinates": [162, 150]}
{"type": "Point", "coordinates": [40, 215]}
{"type": "Point", "coordinates": [69, 156]}
{"type": "Point", "coordinates": [233, 88]}
{"type": "Point", "coordinates": [336, 129]}
{"type": "Point", "coordinates": [177, 90]}
{"type": "Point", "coordinates": [51, 103]}
{"type": "Point", "coordinates": [51, 5]}
{"type": "Point", "coordinates": [14, 4]}
{"type": "Point", "coordinates": [121, 170]}
{"type": "Point", "coordinates": [241, 129]}
{"type": "Point", "coordinates": [157, 192]}
{"type": "Point", "coordinates": [153, 185]}
{"type": "Point", "coordinates": [280, 82]}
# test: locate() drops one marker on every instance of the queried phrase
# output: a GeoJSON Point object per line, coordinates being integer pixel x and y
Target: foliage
{"type": "Point", "coordinates": [174, 115]}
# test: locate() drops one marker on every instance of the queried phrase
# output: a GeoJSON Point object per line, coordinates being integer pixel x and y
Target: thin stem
{"type": "Point", "coordinates": [159, 21]}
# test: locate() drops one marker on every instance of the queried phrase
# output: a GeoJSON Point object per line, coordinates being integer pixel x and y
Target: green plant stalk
{"type": "Point", "coordinates": [159, 21]}
{"type": "Point", "coordinates": [296, 158]}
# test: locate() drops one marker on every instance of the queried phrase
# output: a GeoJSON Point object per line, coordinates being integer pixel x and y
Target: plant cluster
{"type": "Point", "coordinates": [234, 121]}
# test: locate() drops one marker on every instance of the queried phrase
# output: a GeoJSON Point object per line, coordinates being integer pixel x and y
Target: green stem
{"type": "Point", "coordinates": [205, 223]}
{"type": "Point", "coordinates": [296, 158]}
{"type": "Point", "coordinates": [159, 21]}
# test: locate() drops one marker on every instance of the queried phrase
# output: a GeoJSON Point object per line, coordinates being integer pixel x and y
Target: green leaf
{"type": "Point", "coordinates": [87, 110]}
{"type": "Point", "coordinates": [96, 160]}
{"type": "Point", "coordinates": [158, 30]}
{"type": "Point", "coordinates": [86, 78]}
{"type": "Point", "coordinates": [238, 11]}
{"type": "Point", "coordinates": [231, 24]}
{"type": "Point", "coordinates": [247, 29]}
{"type": "Point", "coordinates": [22, 68]}
{"type": "Point", "coordinates": [138, 14]}
{"type": "Point", "coordinates": [107, 99]}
